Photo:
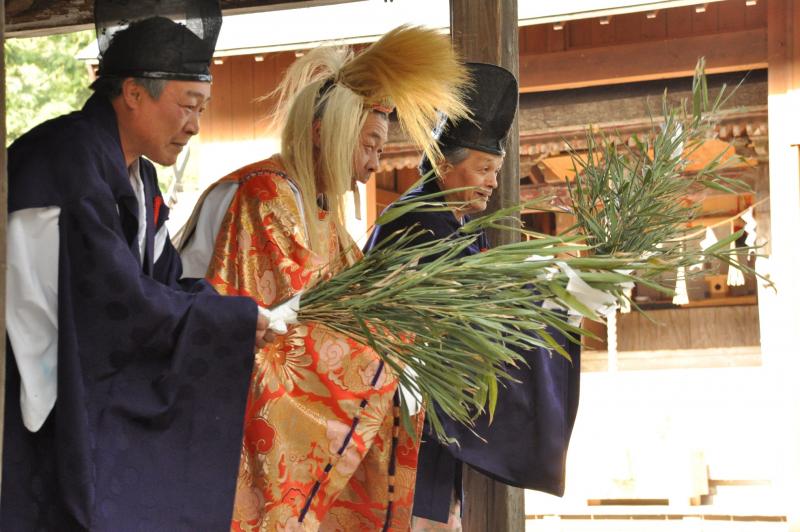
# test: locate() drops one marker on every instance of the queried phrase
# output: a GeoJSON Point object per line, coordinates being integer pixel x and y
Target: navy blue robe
{"type": "Point", "coordinates": [152, 374]}
{"type": "Point", "coordinates": [526, 444]}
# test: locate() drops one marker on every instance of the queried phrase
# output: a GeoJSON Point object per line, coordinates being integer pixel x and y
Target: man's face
{"type": "Point", "coordinates": [166, 125]}
{"type": "Point", "coordinates": [373, 137]}
{"type": "Point", "coordinates": [480, 170]}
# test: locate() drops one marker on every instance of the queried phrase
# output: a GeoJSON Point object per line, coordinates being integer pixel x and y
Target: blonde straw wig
{"type": "Point", "coordinates": [411, 69]}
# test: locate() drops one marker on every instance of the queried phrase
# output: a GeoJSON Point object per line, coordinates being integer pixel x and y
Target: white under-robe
{"type": "Point", "coordinates": [196, 253]}
{"type": "Point", "coordinates": [32, 298]}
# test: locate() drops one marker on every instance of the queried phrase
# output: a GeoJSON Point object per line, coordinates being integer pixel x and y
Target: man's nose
{"type": "Point", "coordinates": [374, 162]}
{"type": "Point", "coordinates": [193, 124]}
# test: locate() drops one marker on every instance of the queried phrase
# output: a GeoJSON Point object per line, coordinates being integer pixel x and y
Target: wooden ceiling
{"type": "Point", "coordinates": [40, 17]}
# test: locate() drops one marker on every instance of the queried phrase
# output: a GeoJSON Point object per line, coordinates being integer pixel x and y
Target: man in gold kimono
{"type": "Point", "coordinates": [323, 444]}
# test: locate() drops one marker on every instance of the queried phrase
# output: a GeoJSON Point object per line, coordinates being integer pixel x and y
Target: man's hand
{"type": "Point", "coordinates": [263, 334]}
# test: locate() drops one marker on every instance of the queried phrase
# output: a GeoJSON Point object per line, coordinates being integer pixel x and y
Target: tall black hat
{"type": "Point", "coordinates": [492, 101]}
{"type": "Point", "coordinates": [158, 39]}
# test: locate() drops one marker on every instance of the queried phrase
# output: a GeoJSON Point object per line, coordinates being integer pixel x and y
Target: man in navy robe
{"type": "Point", "coordinates": [526, 443]}
{"type": "Point", "coordinates": [126, 388]}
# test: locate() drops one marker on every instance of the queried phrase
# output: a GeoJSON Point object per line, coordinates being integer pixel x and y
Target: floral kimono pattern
{"type": "Point", "coordinates": [322, 446]}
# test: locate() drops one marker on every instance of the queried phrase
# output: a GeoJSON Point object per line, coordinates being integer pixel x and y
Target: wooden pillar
{"type": "Point", "coordinates": [780, 312]}
{"type": "Point", "coordinates": [487, 31]}
{"type": "Point", "coordinates": [3, 220]}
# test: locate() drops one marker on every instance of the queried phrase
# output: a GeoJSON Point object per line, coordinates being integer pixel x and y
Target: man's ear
{"type": "Point", "coordinates": [443, 168]}
{"type": "Point", "coordinates": [315, 133]}
{"type": "Point", "coordinates": [132, 93]}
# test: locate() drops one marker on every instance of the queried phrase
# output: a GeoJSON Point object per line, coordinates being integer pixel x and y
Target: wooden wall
{"type": "Point", "coordinates": [569, 110]}
{"type": "Point", "coordinates": [689, 328]}
{"type": "Point", "coordinates": [731, 35]}
{"type": "Point", "coordinates": [236, 111]}
{"type": "Point", "coordinates": [719, 17]}
{"type": "Point", "coordinates": [584, 53]}
{"type": "Point", "coordinates": [695, 337]}
{"type": "Point", "coordinates": [391, 183]}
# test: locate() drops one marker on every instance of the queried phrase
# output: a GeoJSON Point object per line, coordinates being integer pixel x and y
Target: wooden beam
{"type": "Point", "coordinates": [779, 313]}
{"type": "Point", "coordinates": [3, 226]}
{"type": "Point", "coordinates": [486, 31]}
{"type": "Point", "coordinates": [41, 17]}
{"type": "Point", "coordinates": [669, 58]}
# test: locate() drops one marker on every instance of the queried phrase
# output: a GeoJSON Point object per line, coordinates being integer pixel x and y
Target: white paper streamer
{"type": "Point", "coordinates": [595, 300]}
{"type": "Point", "coordinates": [681, 296]}
{"type": "Point", "coordinates": [549, 271]}
{"type": "Point", "coordinates": [627, 292]}
{"type": "Point", "coordinates": [409, 396]}
{"type": "Point", "coordinates": [625, 303]}
{"type": "Point", "coordinates": [573, 317]}
{"type": "Point", "coordinates": [750, 228]}
{"type": "Point", "coordinates": [678, 151]}
{"type": "Point", "coordinates": [709, 240]}
{"type": "Point", "coordinates": [735, 275]}
{"type": "Point", "coordinates": [598, 301]}
{"type": "Point", "coordinates": [283, 315]}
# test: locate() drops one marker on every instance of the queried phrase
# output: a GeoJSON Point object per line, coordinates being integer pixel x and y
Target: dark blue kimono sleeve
{"type": "Point", "coordinates": [152, 380]}
{"type": "Point", "coordinates": [163, 375]}
{"type": "Point", "coordinates": [526, 444]}
{"type": "Point", "coordinates": [426, 226]}
{"type": "Point", "coordinates": [152, 384]}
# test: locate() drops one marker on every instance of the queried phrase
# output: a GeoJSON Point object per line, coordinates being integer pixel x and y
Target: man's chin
{"type": "Point", "coordinates": [163, 160]}
{"type": "Point", "coordinates": [478, 206]}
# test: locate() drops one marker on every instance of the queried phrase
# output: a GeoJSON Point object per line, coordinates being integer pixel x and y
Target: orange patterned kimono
{"type": "Point", "coordinates": [318, 449]}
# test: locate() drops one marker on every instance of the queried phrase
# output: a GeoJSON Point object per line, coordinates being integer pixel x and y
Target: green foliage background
{"type": "Point", "coordinates": [43, 79]}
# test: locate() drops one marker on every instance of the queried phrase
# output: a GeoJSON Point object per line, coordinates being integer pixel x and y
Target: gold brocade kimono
{"type": "Point", "coordinates": [323, 446]}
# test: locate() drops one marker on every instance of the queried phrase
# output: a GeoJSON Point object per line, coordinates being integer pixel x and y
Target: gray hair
{"type": "Point", "coordinates": [455, 154]}
{"type": "Point", "coordinates": [452, 154]}
{"type": "Point", "coordinates": [112, 87]}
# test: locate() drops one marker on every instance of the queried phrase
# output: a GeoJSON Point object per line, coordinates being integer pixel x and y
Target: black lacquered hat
{"type": "Point", "coordinates": [493, 101]}
{"type": "Point", "coordinates": [158, 39]}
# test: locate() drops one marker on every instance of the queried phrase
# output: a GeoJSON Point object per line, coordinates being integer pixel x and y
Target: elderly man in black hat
{"type": "Point", "coordinates": [126, 388]}
{"type": "Point", "coordinates": [525, 445]}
